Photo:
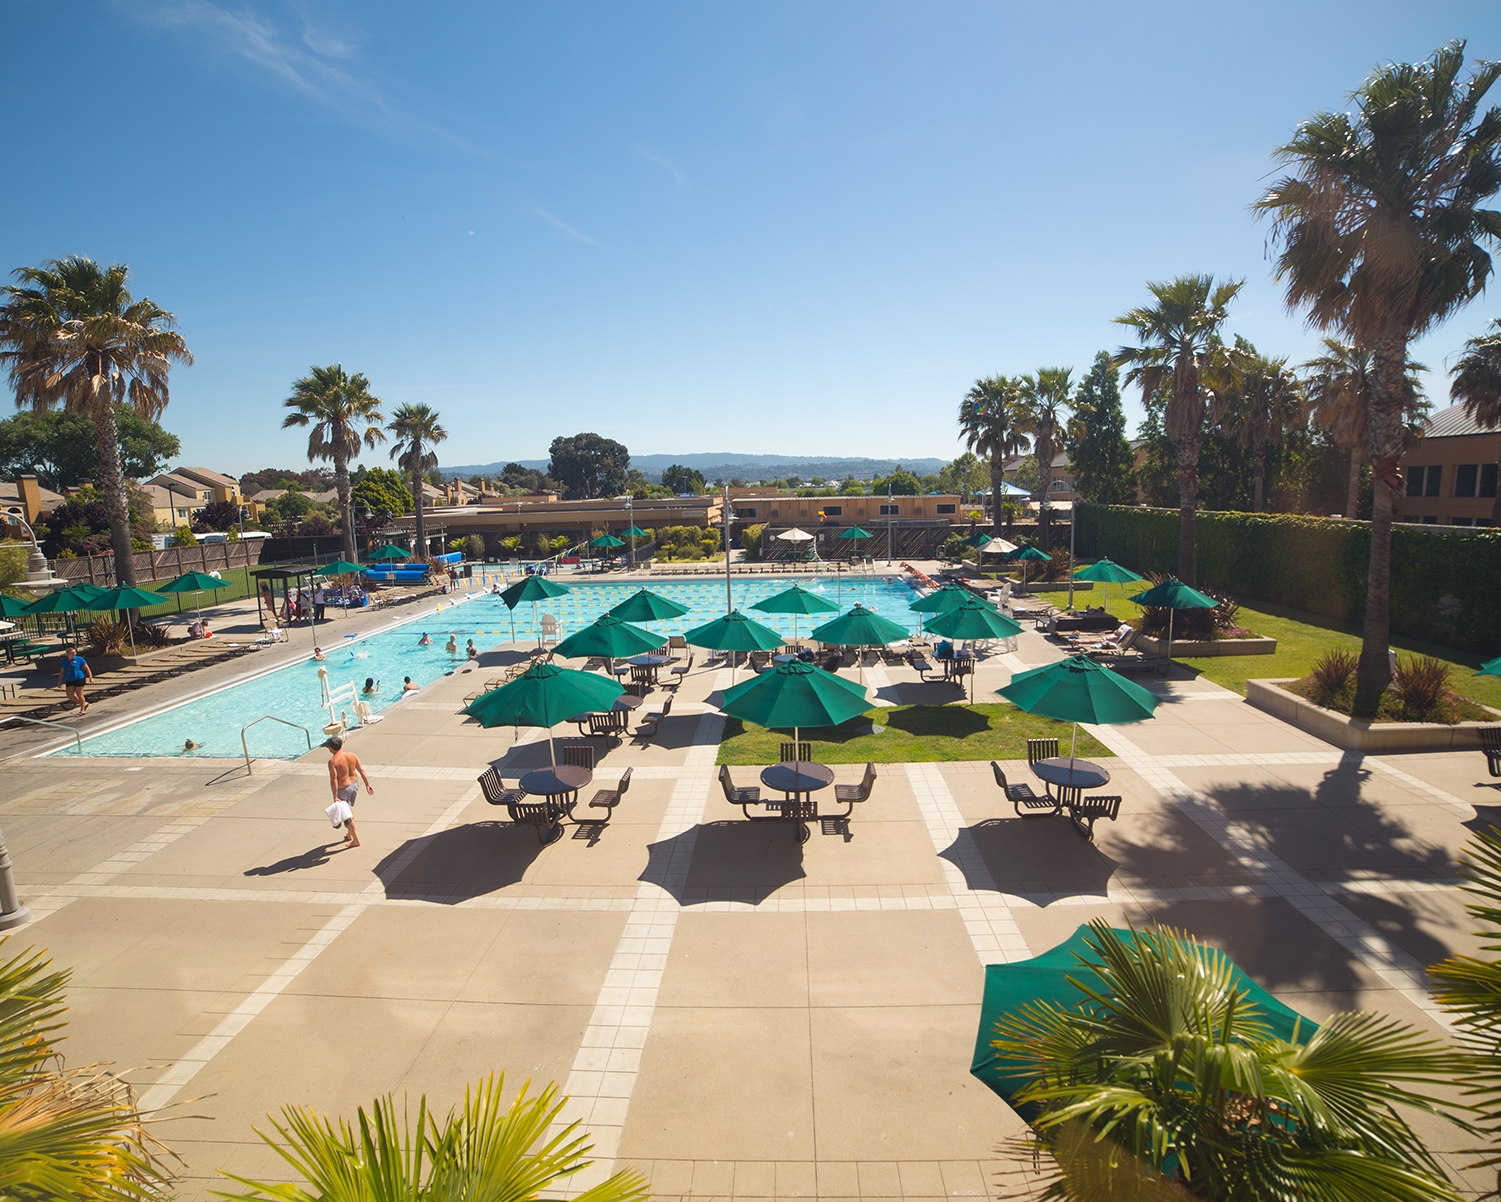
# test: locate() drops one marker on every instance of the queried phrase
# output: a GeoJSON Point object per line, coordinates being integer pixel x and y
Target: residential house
{"type": "Point", "coordinates": [25, 494]}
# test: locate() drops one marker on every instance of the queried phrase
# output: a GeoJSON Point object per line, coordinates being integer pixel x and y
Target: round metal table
{"type": "Point", "coordinates": [1071, 776]}
{"type": "Point", "coordinates": [650, 662]}
{"type": "Point", "coordinates": [627, 701]}
{"type": "Point", "coordinates": [797, 780]}
{"type": "Point", "coordinates": [554, 783]}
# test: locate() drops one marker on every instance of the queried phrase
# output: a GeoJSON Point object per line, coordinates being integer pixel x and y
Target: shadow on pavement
{"type": "Point", "coordinates": [1027, 854]}
{"type": "Point", "coordinates": [461, 862]}
{"type": "Point", "coordinates": [721, 861]}
{"type": "Point", "coordinates": [314, 857]}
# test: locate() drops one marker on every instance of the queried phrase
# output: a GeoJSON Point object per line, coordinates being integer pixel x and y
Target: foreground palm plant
{"type": "Point", "coordinates": [486, 1151]}
{"type": "Point", "coordinates": [64, 1133]}
{"type": "Point", "coordinates": [73, 337]}
{"type": "Point", "coordinates": [1383, 232]}
{"type": "Point", "coordinates": [1167, 1083]}
{"type": "Point", "coordinates": [417, 431]}
{"type": "Point", "coordinates": [344, 416]}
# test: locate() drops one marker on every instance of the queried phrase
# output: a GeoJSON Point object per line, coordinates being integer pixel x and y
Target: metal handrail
{"type": "Point", "coordinates": [44, 722]}
{"type": "Point", "coordinates": [249, 771]}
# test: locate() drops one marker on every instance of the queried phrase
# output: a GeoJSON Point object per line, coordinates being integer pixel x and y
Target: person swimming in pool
{"type": "Point", "coordinates": [372, 687]}
{"type": "Point", "coordinates": [452, 646]}
{"type": "Point", "coordinates": [426, 640]}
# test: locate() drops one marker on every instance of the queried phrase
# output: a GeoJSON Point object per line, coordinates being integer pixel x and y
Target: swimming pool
{"type": "Point", "coordinates": [292, 692]}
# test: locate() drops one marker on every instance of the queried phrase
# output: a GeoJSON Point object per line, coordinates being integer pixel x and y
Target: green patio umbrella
{"type": "Point", "coordinates": [13, 607]}
{"type": "Point", "coordinates": [196, 583]}
{"type": "Point", "coordinates": [734, 632]}
{"type": "Point", "coordinates": [978, 539]}
{"type": "Point", "coordinates": [62, 601]}
{"type": "Point", "coordinates": [1078, 689]}
{"type": "Point", "coordinates": [795, 695]}
{"type": "Point", "coordinates": [856, 533]}
{"type": "Point", "coordinates": [607, 540]}
{"type": "Point", "coordinates": [1045, 981]}
{"type": "Point", "coordinates": [796, 601]}
{"type": "Point", "coordinates": [634, 532]}
{"type": "Point", "coordinates": [544, 695]}
{"type": "Point", "coordinates": [646, 606]}
{"type": "Point", "coordinates": [941, 600]}
{"type": "Point", "coordinates": [88, 592]}
{"type": "Point", "coordinates": [860, 627]}
{"type": "Point", "coordinates": [339, 567]}
{"type": "Point", "coordinates": [390, 551]}
{"type": "Point", "coordinates": [533, 589]}
{"type": "Point", "coordinates": [125, 597]}
{"type": "Point", "coordinates": [610, 637]}
{"type": "Point", "coordinates": [1030, 555]}
{"type": "Point", "coordinates": [1490, 667]}
{"type": "Point", "coordinates": [1106, 571]}
{"type": "Point", "coordinates": [974, 618]}
{"type": "Point", "coordinates": [1173, 594]}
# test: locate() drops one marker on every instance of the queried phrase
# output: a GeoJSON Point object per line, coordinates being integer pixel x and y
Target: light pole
{"type": "Point", "coordinates": [39, 577]}
{"type": "Point", "coordinates": [889, 507]}
{"type": "Point", "coordinates": [630, 516]}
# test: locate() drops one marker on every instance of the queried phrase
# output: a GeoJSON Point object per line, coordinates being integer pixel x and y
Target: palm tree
{"type": "Point", "coordinates": [416, 429]}
{"type": "Point", "coordinates": [990, 423]}
{"type": "Point", "coordinates": [1044, 415]}
{"type": "Point", "coordinates": [1382, 234]}
{"type": "Point", "coordinates": [1170, 1068]}
{"type": "Point", "coordinates": [486, 1150]}
{"type": "Point", "coordinates": [343, 415]}
{"type": "Point", "coordinates": [1341, 389]}
{"type": "Point", "coordinates": [1477, 382]}
{"type": "Point", "coordinates": [64, 1133]}
{"type": "Point", "coordinates": [73, 336]}
{"type": "Point", "coordinates": [1266, 402]}
{"type": "Point", "coordinates": [1182, 353]}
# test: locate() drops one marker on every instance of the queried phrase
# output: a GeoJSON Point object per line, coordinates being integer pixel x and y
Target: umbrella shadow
{"type": "Point", "coordinates": [728, 860]}
{"type": "Point", "coordinates": [524, 757]}
{"type": "Point", "coordinates": [918, 692]}
{"type": "Point", "coordinates": [461, 862]}
{"type": "Point", "coordinates": [952, 721]}
{"type": "Point", "coordinates": [1043, 857]}
{"type": "Point", "coordinates": [1487, 820]}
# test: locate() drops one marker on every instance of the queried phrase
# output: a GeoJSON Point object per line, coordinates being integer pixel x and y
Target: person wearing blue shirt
{"type": "Point", "coordinates": [72, 674]}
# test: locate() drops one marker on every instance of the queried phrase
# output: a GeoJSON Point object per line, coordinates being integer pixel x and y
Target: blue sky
{"type": "Point", "coordinates": [777, 228]}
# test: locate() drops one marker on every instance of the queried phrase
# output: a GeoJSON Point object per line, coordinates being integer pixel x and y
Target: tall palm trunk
{"type": "Point", "coordinates": [112, 484]}
{"type": "Point", "coordinates": [1188, 503]}
{"type": "Point", "coordinates": [1044, 514]}
{"type": "Point", "coordinates": [341, 488]}
{"type": "Point", "coordinates": [997, 492]}
{"type": "Point", "coordinates": [1352, 493]}
{"type": "Point", "coordinates": [1385, 447]}
{"type": "Point", "coordinates": [1258, 492]}
{"type": "Point", "coordinates": [421, 521]}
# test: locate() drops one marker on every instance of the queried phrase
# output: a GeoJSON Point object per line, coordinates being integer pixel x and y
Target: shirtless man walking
{"type": "Point", "coordinates": [344, 775]}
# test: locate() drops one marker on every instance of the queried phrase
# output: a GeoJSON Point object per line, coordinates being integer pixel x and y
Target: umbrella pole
{"type": "Point", "coordinates": [130, 627]}
{"type": "Point", "coordinates": [552, 752]}
{"type": "Point", "coordinates": [797, 754]}
{"type": "Point", "coordinates": [1073, 743]}
{"type": "Point", "coordinates": [1170, 640]}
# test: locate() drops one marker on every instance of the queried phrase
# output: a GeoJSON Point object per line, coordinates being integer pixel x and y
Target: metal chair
{"type": "Point", "coordinates": [1027, 803]}
{"type": "Point", "coordinates": [619, 670]}
{"type": "Point", "coordinates": [1088, 810]}
{"type": "Point", "coordinates": [681, 671]}
{"type": "Point", "coordinates": [1490, 744]}
{"type": "Point", "coordinates": [641, 675]}
{"type": "Point", "coordinates": [654, 720]}
{"type": "Point", "coordinates": [579, 755]}
{"type": "Point", "coordinates": [850, 795]}
{"type": "Point", "coordinates": [1041, 749]}
{"type": "Point", "coordinates": [606, 726]}
{"type": "Point", "coordinates": [608, 799]}
{"type": "Point", "coordinates": [495, 790]}
{"type": "Point", "coordinates": [741, 797]}
{"type": "Point", "coordinates": [801, 751]}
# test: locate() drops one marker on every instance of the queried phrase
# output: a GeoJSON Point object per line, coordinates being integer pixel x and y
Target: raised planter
{"type": "Point", "coordinates": [1355, 734]}
{"type": "Point", "coordinates": [1197, 649]}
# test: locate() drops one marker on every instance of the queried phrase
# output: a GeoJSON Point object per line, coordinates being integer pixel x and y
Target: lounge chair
{"type": "Point", "coordinates": [1027, 803]}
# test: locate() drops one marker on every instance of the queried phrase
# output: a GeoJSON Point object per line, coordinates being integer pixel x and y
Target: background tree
{"type": "Point", "coordinates": [1099, 454]}
{"type": "Point", "coordinates": [1181, 352]}
{"type": "Point", "coordinates": [416, 430]}
{"type": "Point", "coordinates": [379, 489]}
{"type": "Point", "coordinates": [589, 466]}
{"type": "Point", "coordinates": [316, 479]}
{"type": "Point", "coordinates": [966, 475]}
{"type": "Point", "coordinates": [1477, 383]}
{"type": "Point", "coordinates": [682, 479]}
{"type": "Point", "coordinates": [343, 416]}
{"type": "Point", "coordinates": [900, 483]}
{"type": "Point", "coordinates": [61, 448]}
{"type": "Point", "coordinates": [291, 506]}
{"type": "Point", "coordinates": [216, 516]}
{"type": "Point", "coordinates": [1264, 402]}
{"type": "Point", "coordinates": [1045, 416]}
{"type": "Point", "coordinates": [1382, 234]}
{"type": "Point", "coordinates": [73, 337]}
{"type": "Point", "coordinates": [989, 423]}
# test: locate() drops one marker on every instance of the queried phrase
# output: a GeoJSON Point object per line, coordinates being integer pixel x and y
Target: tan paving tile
{"type": "Point", "coordinates": [738, 960]}
{"type": "Point", "coordinates": [891, 959]}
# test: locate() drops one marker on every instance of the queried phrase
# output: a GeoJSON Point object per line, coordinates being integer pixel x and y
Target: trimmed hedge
{"type": "Point", "coordinates": [1446, 588]}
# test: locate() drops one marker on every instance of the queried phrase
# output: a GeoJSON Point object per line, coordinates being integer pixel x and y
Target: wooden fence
{"type": "Point", "coordinates": [162, 565]}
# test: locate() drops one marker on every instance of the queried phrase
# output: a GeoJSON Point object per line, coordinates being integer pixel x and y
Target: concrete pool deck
{"type": "Point", "coordinates": [733, 1013]}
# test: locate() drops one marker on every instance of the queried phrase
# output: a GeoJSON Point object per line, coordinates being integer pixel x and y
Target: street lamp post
{"type": "Point", "coordinates": [39, 577]}
{"type": "Point", "coordinates": [889, 507]}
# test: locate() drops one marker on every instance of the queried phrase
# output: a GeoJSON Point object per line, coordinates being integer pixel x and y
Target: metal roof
{"type": "Point", "coordinates": [1453, 422]}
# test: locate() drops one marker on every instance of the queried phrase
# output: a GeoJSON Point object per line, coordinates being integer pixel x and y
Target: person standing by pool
{"type": "Point", "coordinates": [320, 601]}
{"type": "Point", "coordinates": [452, 646]}
{"type": "Point", "coordinates": [73, 672]}
{"type": "Point", "coordinates": [344, 775]}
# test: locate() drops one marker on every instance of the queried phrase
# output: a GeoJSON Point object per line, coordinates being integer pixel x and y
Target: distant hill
{"type": "Point", "coordinates": [727, 466]}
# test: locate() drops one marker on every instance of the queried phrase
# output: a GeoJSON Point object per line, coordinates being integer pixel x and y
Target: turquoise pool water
{"type": "Point", "coordinates": [292, 692]}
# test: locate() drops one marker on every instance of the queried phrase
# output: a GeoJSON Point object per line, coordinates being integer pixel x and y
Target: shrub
{"type": "Point", "coordinates": [182, 537]}
{"type": "Point", "coordinates": [474, 546]}
{"type": "Point", "coordinates": [152, 634]}
{"type": "Point", "coordinates": [1191, 624]}
{"type": "Point", "coordinates": [1421, 684]}
{"type": "Point", "coordinates": [750, 539]}
{"type": "Point", "coordinates": [107, 637]}
{"type": "Point", "coordinates": [1331, 674]}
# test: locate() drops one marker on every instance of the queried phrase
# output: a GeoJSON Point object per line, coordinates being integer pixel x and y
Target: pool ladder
{"type": "Point", "coordinates": [249, 771]}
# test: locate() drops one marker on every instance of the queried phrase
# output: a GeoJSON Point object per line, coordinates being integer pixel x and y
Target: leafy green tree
{"type": "Point", "coordinates": [291, 506]}
{"type": "Point", "coordinates": [216, 515]}
{"type": "Point", "coordinates": [62, 450]}
{"type": "Point", "coordinates": [589, 466]}
{"type": "Point", "coordinates": [316, 479]}
{"type": "Point", "coordinates": [1099, 454]}
{"type": "Point", "coordinates": [1477, 383]}
{"type": "Point", "coordinates": [344, 416]}
{"type": "Point", "coordinates": [1045, 417]}
{"type": "Point", "coordinates": [1381, 234]}
{"type": "Point", "coordinates": [901, 483]}
{"type": "Point", "coordinates": [529, 479]}
{"type": "Point", "coordinates": [990, 424]}
{"type": "Point", "coordinates": [485, 1150]}
{"type": "Point", "coordinates": [380, 489]}
{"type": "Point", "coordinates": [182, 537]}
{"type": "Point", "coordinates": [682, 479]}
{"type": "Point", "coordinates": [1168, 1082]}
{"type": "Point", "coordinates": [73, 337]}
{"type": "Point", "coordinates": [417, 430]}
{"type": "Point", "coordinates": [1180, 351]}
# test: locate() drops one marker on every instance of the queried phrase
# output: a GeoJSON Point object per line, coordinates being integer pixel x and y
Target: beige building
{"type": "Point", "coordinates": [785, 509]}
{"type": "Point", "coordinates": [179, 494]}
{"type": "Point", "coordinates": [25, 494]}
{"type": "Point", "coordinates": [550, 517]}
{"type": "Point", "coordinates": [1451, 472]}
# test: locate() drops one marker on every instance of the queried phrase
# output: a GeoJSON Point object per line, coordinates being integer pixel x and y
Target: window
{"type": "Point", "coordinates": [1460, 522]}
{"type": "Point", "coordinates": [1483, 521]}
{"type": "Point", "coordinates": [1415, 481]}
{"type": "Point", "coordinates": [1466, 478]}
{"type": "Point", "coordinates": [1434, 481]}
{"type": "Point", "coordinates": [948, 509]}
{"type": "Point", "coordinates": [890, 510]}
{"type": "Point", "coordinates": [833, 511]}
{"type": "Point", "coordinates": [748, 511]}
{"type": "Point", "coordinates": [1430, 520]}
{"type": "Point", "coordinates": [1487, 480]}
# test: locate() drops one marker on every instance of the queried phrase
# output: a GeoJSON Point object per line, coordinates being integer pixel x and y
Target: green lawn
{"type": "Point", "coordinates": [1301, 640]}
{"type": "Point", "coordinates": [913, 734]}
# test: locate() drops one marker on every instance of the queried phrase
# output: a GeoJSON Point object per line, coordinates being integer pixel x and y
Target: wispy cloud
{"type": "Point", "coordinates": [319, 64]}
{"type": "Point", "coordinates": [562, 225]}
{"type": "Point", "coordinates": [651, 156]}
